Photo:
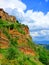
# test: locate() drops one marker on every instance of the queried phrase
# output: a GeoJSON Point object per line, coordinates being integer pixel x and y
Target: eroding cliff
{"type": "Point", "coordinates": [6, 16]}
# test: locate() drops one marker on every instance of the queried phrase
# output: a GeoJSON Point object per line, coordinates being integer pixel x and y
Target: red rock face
{"type": "Point", "coordinates": [4, 43]}
{"type": "Point", "coordinates": [21, 38]}
{"type": "Point", "coordinates": [26, 29]}
{"type": "Point", "coordinates": [5, 16]}
{"type": "Point", "coordinates": [1, 56]}
{"type": "Point", "coordinates": [27, 51]}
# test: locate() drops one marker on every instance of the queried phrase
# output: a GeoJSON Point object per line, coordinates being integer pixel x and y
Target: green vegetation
{"type": "Point", "coordinates": [13, 56]}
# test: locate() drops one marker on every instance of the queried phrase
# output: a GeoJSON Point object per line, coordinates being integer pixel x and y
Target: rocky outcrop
{"type": "Point", "coordinates": [20, 33]}
{"type": "Point", "coordinates": [27, 51]}
{"type": "Point", "coordinates": [5, 16]}
{"type": "Point", "coordinates": [26, 29]}
{"type": "Point", "coordinates": [4, 43]}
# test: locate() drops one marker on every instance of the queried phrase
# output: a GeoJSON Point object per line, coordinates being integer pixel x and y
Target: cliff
{"type": "Point", "coordinates": [5, 16]}
{"type": "Point", "coordinates": [21, 32]}
{"type": "Point", "coordinates": [16, 45]}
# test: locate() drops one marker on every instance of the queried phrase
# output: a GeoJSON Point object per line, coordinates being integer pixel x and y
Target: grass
{"type": "Point", "coordinates": [13, 56]}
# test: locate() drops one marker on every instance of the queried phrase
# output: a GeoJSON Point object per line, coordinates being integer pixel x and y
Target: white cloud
{"type": "Point", "coordinates": [34, 34]}
{"type": "Point", "coordinates": [12, 4]}
{"type": "Point", "coordinates": [40, 35]}
{"type": "Point", "coordinates": [40, 20]}
{"type": "Point", "coordinates": [34, 19]}
{"type": "Point", "coordinates": [45, 32]}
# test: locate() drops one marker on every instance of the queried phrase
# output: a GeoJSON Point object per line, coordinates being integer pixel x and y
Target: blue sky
{"type": "Point", "coordinates": [37, 5]}
{"type": "Point", "coordinates": [34, 13]}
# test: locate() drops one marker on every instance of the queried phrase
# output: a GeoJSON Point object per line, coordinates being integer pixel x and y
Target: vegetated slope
{"type": "Point", "coordinates": [17, 47]}
{"type": "Point", "coordinates": [45, 45]}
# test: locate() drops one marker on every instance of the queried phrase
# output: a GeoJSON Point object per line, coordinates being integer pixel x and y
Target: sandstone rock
{"type": "Point", "coordinates": [5, 16]}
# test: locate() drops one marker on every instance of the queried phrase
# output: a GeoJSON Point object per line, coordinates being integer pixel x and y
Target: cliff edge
{"type": "Point", "coordinates": [16, 45]}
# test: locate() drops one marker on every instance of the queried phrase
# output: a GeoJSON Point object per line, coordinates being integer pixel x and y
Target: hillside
{"type": "Point", "coordinates": [16, 45]}
{"type": "Point", "coordinates": [45, 45]}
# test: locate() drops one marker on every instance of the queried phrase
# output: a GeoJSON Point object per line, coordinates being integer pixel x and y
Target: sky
{"type": "Point", "coordinates": [34, 13]}
{"type": "Point", "coordinates": [37, 5]}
